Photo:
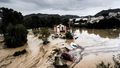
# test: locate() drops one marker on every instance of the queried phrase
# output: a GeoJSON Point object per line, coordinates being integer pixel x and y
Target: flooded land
{"type": "Point", "coordinates": [99, 45]}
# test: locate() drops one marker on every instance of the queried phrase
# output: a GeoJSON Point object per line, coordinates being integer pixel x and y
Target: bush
{"type": "Point", "coordinates": [16, 36]}
{"type": "Point", "coordinates": [116, 60]}
{"type": "Point", "coordinates": [35, 31]}
{"type": "Point", "coordinates": [44, 34]}
{"type": "Point", "coordinates": [68, 35]}
{"type": "Point", "coordinates": [45, 41]}
{"type": "Point", "coordinates": [103, 65]}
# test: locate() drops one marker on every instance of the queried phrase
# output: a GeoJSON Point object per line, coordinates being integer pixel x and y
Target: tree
{"type": "Point", "coordinates": [35, 22]}
{"type": "Point", "coordinates": [65, 22]}
{"type": "Point", "coordinates": [15, 34]}
{"type": "Point", "coordinates": [10, 16]}
{"type": "Point", "coordinates": [69, 35]}
{"type": "Point", "coordinates": [44, 34]}
{"type": "Point", "coordinates": [41, 20]}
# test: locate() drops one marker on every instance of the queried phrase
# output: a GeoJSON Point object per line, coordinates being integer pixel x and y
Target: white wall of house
{"type": "Point", "coordinates": [59, 28]}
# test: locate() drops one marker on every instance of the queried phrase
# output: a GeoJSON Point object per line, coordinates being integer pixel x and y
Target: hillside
{"type": "Point", "coordinates": [51, 15]}
{"type": "Point", "coordinates": [107, 11]}
{"type": "Point", "coordinates": [46, 20]}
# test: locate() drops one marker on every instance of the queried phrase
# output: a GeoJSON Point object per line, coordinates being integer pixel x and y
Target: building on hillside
{"type": "Point", "coordinates": [112, 14]}
{"type": "Point", "coordinates": [118, 13]}
{"type": "Point", "coordinates": [95, 19]}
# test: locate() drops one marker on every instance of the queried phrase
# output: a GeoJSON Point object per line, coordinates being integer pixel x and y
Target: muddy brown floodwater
{"type": "Point", "coordinates": [99, 45]}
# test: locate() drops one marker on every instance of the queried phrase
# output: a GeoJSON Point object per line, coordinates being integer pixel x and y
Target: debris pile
{"type": "Point", "coordinates": [70, 53]}
{"type": "Point", "coordinates": [19, 52]}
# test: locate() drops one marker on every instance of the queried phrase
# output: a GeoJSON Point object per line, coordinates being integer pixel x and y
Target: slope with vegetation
{"type": "Point", "coordinates": [15, 34]}
{"type": "Point", "coordinates": [106, 12]}
{"type": "Point", "coordinates": [46, 20]}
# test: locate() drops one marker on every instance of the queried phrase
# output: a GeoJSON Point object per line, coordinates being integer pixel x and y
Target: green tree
{"type": "Point", "coordinates": [65, 22]}
{"type": "Point", "coordinates": [44, 34]}
{"type": "Point", "coordinates": [15, 34]}
{"type": "Point", "coordinates": [69, 35]}
{"type": "Point", "coordinates": [10, 16]}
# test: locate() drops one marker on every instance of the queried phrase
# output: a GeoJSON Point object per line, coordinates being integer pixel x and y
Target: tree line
{"type": "Point", "coordinates": [46, 20]}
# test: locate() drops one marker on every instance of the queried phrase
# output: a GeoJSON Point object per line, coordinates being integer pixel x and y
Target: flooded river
{"type": "Point", "coordinates": [99, 45]}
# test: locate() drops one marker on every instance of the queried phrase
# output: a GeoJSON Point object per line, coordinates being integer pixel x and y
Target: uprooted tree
{"type": "Point", "coordinates": [15, 34]}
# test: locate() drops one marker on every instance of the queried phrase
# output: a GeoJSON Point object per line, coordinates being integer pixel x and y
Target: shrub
{"type": "Point", "coordinates": [45, 41]}
{"type": "Point", "coordinates": [16, 36]}
{"type": "Point", "coordinates": [68, 35]}
{"type": "Point", "coordinates": [44, 34]}
{"type": "Point", "coordinates": [116, 60]}
{"type": "Point", "coordinates": [35, 31]}
{"type": "Point", "coordinates": [103, 65]}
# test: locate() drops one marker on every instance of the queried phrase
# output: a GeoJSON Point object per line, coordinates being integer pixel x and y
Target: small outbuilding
{"type": "Point", "coordinates": [60, 29]}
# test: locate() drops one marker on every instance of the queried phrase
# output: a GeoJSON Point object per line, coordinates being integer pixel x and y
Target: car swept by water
{"type": "Point", "coordinates": [98, 46]}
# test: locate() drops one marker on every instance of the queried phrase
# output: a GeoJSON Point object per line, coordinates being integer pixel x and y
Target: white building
{"type": "Point", "coordinates": [59, 28]}
{"type": "Point", "coordinates": [118, 13]}
{"type": "Point", "coordinates": [112, 14]}
{"type": "Point", "coordinates": [95, 19]}
{"type": "Point", "coordinates": [78, 19]}
{"type": "Point", "coordinates": [84, 18]}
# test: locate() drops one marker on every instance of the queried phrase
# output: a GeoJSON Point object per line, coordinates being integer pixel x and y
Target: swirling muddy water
{"type": "Point", "coordinates": [99, 45]}
{"type": "Point", "coordinates": [96, 48]}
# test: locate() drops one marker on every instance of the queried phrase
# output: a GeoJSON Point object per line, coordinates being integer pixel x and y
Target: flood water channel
{"type": "Point", "coordinates": [99, 45]}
